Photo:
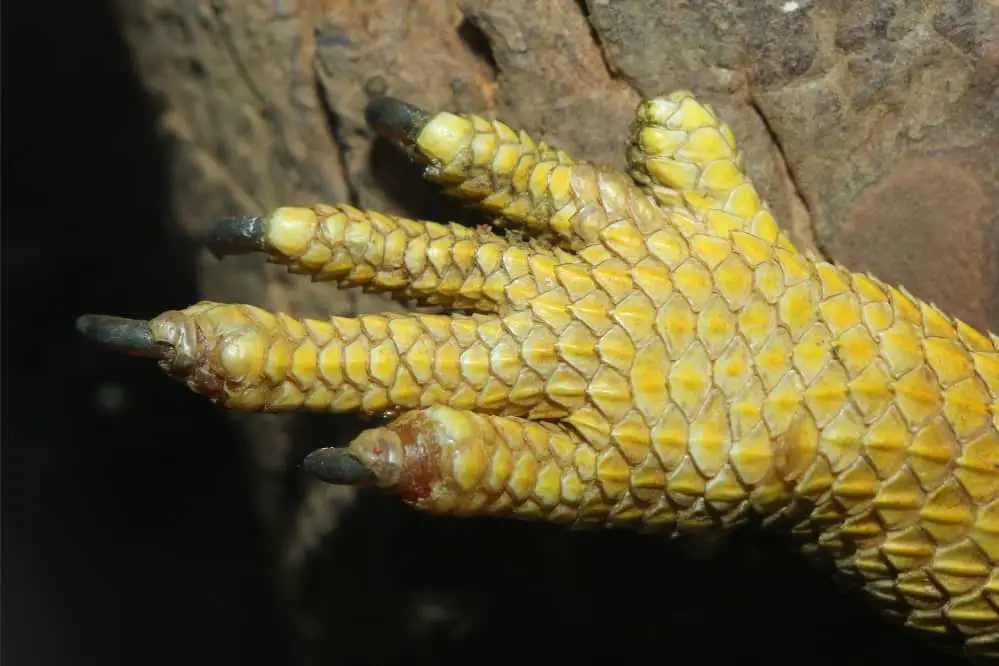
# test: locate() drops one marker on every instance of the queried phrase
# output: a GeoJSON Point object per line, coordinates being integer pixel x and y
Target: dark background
{"type": "Point", "coordinates": [128, 529]}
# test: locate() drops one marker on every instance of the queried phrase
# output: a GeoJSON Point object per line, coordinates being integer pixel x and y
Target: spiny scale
{"type": "Point", "coordinates": [673, 363]}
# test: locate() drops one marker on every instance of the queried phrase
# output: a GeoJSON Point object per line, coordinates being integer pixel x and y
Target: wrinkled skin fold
{"type": "Point", "coordinates": [647, 350]}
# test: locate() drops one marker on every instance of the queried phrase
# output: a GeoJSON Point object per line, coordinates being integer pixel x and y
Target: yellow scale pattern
{"type": "Point", "coordinates": [686, 157]}
{"type": "Point", "coordinates": [672, 363]}
{"type": "Point", "coordinates": [437, 264]}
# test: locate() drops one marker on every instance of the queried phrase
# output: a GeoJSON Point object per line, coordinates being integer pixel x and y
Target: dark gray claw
{"type": "Point", "coordinates": [236, 235]}
{"type": "Point", "coordinates": [129, 336]}
{"type": "Point", "coordinates": [337, 466]}
{"type": "Point", "coordinates": [396, 120]}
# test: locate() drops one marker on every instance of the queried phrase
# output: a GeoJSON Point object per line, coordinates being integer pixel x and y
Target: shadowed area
{"type": "Point", "coordinates": [129, 535]}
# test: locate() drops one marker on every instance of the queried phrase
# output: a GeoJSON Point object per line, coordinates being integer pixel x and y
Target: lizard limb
{"type": "Point", "coordinates": [697, 373]}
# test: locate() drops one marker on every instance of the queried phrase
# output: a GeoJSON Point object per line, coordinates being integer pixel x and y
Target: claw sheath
{"type": "Point", "coordinates": [129, 336]}
{"type": "Point", "coordinates": [236, 235]}
{"type": "Point", "coordinates": [396, 120]}
{"type": "Point", "coordinates": [337, 466]}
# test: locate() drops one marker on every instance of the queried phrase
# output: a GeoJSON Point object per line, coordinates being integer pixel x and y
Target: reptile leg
{"type": "Point", "coordinates": [655, 355]}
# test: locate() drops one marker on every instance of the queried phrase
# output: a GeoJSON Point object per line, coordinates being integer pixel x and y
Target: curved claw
{"type": "Point", "coordinates": [129, 336]}
{"type": "Point", "coordinates": [236, 235]}
{"type": "Point", "coordinates": [337, 466]}
{"type": "Point", "coordinates": [396, 120]}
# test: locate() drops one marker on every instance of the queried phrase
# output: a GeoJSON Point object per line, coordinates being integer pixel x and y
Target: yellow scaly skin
{"type": "Point", "coordinates": [657, 355]}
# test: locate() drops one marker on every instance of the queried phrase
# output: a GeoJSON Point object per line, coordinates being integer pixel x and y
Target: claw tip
{"type": "Point", "coordinates": [396, 120]}
{"type": "Point", "coordinates": [129, 336]}
{"type": "Point", "coordinates": [337, 466]}
{"type": "Point", "coordinates": [236, 235]}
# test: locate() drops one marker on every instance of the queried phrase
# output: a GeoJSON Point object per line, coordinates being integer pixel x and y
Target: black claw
{"type": "Point", "coordinates": [129, 336]}
{"type": "Point", "coordinates": [236, 235]}
{"type": "Point", "coordinates": [337, 466]}
{"type": "Point", "coordinates": [396, 120]}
